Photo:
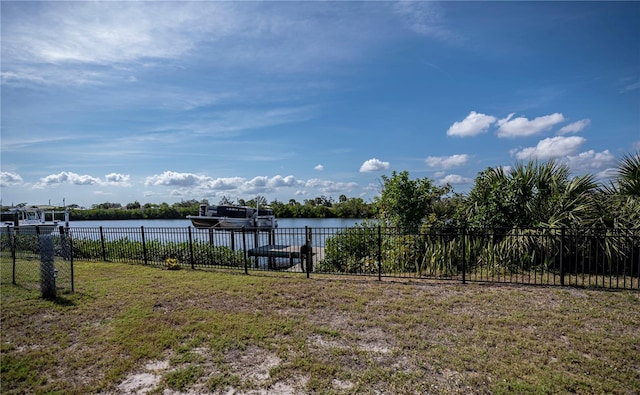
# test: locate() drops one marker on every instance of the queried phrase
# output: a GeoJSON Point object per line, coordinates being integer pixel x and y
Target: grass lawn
{"type": "Point", "coordinates": [131, 328]}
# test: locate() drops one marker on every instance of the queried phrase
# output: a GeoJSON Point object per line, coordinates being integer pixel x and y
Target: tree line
{"type": "Point", "coordinates": [530, 194]}
{"type": "Point", "coordinates": [533, 217]}
{"type": "Point", "coordinates": [320, 207]}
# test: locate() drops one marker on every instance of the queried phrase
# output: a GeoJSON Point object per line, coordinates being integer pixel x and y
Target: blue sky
{"type": "Point", "coordinates": [169, 101]}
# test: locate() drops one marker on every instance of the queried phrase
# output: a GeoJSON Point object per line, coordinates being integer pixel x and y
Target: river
{"type": "Point", "coordinates": [183, 223]}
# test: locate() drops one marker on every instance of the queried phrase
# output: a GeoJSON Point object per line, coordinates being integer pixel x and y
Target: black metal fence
{"type": "Point", "coordinates": [37, 258]}
{"type": "Point", "coordinates": [579, 257]}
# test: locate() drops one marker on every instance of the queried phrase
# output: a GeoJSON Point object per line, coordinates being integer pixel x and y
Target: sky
{"type": "Point", "coordinates": [170, 101]}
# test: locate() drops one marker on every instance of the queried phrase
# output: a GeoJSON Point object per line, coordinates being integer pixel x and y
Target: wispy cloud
{"type": "Point", "coordinates": [447, 162]}
{"type": "Point", "coordinates": [126, 38]}
{"type": "Point", "coordinates": [591, 160]}
{"type": "Point", "coordinates": [630, 85]}
{"type": "Point", "coordinates": [111, 33]}
{"type": "Point", "coordinates": [329, 186]}
{"type": "Point", "coordinates": [424, 18]}
{"type": "Point", "coordinates": [575, 127]}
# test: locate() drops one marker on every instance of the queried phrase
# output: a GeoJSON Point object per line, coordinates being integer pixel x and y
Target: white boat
{"type": "Point", "coordinates": [233, 218]}
{"type": "Point", "coordinates": [33, 219]}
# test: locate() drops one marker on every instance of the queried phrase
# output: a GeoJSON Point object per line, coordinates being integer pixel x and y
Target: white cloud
{"type": "Point", "coordinates": [552, 147]}
{"type": "Point", "coordinates": [372, 165]}
{"type": "Point", "coordinates": [318, 167]}
{"type": "Point", "coordinates": [224, 183]}
{"type": "Point", "coordinates": [447, 162]}
{"type": "Point", "coordinates": [575, 127]}
{"type": "Point", "coordinates": [329, 187]}
{"type": "Point", "coordinates": [591, 160]}
{"type": "Point", "coordinates": [474, 124]}
{"type": "Point", "coordinates": [636, 145]}
{"type": "Point", "coordinates": [255, 185]}
{"type": "Point", "coordinates": [205, 186]}
{"type": "Point", "coordinates": [279, 181]}
{"type": "Point", "coordinates": [171, 178]}
{"type": "Point", "coordinates": [8, 178]}
{"type": "Point", "coordinates": [117, 179]}
{"type": "Point", "coordinates": [521, 127]}
{"type": "Point", "coordinates": [455, 179]}
{"type": "Point", "coordinates": [67, 177]}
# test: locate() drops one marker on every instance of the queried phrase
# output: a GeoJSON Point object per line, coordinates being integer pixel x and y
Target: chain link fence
{"type": "Point", "coordinates": [37, 258]}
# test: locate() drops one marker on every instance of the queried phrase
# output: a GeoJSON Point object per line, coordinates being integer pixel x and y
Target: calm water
{"type": "Point", "coordinates": [183, 223]}
{"type": "Point", "coordinates": [290, 231]}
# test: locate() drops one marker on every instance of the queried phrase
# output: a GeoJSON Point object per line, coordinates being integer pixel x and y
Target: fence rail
{"type": "Point", "coordinates": [550, 256]}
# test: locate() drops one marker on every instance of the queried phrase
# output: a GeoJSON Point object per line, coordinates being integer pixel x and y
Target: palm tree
{"type": "Point", "coordinates": [620, 200]}
{"type": "Point", "coordinates": [629, 175]}
{"type": "Point", "coordinates": [532, 194]}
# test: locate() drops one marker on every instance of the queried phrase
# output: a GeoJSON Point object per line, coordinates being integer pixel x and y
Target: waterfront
{"type": "Point", "coordinates": [183, 223]}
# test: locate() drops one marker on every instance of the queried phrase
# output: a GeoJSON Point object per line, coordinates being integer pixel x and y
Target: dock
{"type": "Point", "coordinates": [290, 252]}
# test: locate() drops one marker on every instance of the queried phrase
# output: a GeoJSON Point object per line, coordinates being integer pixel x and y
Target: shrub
{"type": "Point", "coordinates": [352, 250]}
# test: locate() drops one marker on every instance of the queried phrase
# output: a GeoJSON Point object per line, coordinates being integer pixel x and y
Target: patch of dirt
{"type": "Point", "coordinates": [140, 383]}
{"type": "Point", "coordinates": [252, 363]}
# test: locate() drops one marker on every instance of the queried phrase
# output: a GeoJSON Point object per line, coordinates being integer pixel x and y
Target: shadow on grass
{"type": "Point", "coordinates": [61, 301]}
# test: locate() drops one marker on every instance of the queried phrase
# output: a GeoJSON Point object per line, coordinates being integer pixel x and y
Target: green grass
{"type": "Point", "coordinates": [206, 332]}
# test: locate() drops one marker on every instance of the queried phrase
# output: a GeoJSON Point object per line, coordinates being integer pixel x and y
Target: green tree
{"type": "Point", "coordinates": [225, 201]}
{"type": "Point", "coordinates": [352, 208]}
{"type": "Point", "coordinates": [405, 203]}
{"type": "Point", "coordinates": [133, 206]}
{"type": "Point", "coordinates": [258, 201]}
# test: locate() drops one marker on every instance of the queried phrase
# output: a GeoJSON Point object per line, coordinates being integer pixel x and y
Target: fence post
{"type": "Point", "coordinates": [244, 249]}
{"type": "Point", "coordinates": [379, 253]}
{"type": "Point", "coordinates": [47, 265]}
{"type": "Point", "coordinates": [104, 253]}
{"type": "Point", "coordinates": [464, 255]}
{"type": "Point", "coordinates": [191, 248]}
{"type": "Point", "coordinates": [12, 243]}
{"type": "Point", "coordinates": [562, 232]}
{"type": "Point", "coordinates": [309, 259]}
{"type": "Point", "coordinates": [70, 238]}
{"type": "Point", "coordinates": [144, 246]}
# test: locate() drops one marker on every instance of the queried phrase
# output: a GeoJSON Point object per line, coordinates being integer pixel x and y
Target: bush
{"type": "Point", "coordinates": [352, 250]}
